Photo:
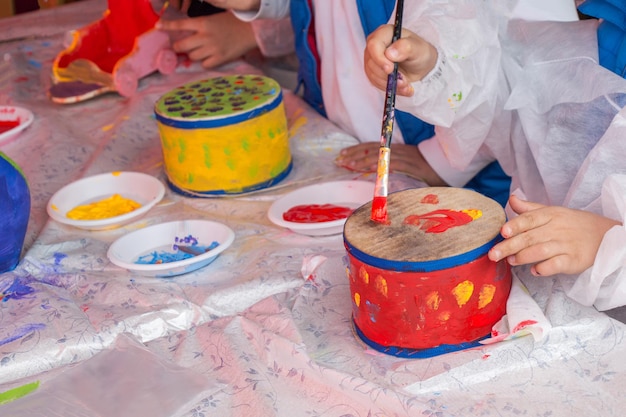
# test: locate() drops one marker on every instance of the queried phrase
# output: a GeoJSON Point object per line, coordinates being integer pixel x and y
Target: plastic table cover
{"type": "Point", "coordinates": [265, 330]}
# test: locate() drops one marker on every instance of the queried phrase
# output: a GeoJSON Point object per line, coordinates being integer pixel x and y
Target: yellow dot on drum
{"type": "Point", "coordinates": [473, 213]}
{"type": "Point", "coordinates": [364, 275]}
{"type": "Point", "coordinates": [381, 285]}
{"type": "Point", "coordinates": [357, 299]}
{"type": "Point", "coordinates": [462, 292]}
{"type": "Point", "coordinates": [432, 300]}
{"type": "Point", "coordinates": [444, 316]}
{"type": "Point", "coordinates": [486, 295]}
{"type": "Point", "coordinates": [348, 274]}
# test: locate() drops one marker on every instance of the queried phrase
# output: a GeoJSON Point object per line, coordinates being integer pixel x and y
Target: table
{"type": "Point", "coordinates": [265, 330]}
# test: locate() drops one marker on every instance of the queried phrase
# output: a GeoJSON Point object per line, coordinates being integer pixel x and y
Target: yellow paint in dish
{"type": "Point", "coordinates": [116, 205]}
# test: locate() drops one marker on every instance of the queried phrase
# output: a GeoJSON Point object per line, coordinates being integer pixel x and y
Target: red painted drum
{"type": "Point", "coordinates": [423, 285]}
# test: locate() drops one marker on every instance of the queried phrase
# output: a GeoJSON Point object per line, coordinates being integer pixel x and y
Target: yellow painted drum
{"type": "Point", "coordinates": [423, 284]}
{"type": "Point", "coordinates": [224, 135]}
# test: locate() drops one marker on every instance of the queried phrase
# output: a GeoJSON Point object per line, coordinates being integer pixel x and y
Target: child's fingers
{"type": "Point", "coordinates": [532, 250]}
{"type": "Point", "coordinates": [505, 249]}
{"type": "Point", "coordinates": [555, 265]}
{"type": "Point", "coordinates": [528, 246]}
{"type": "Point", "coordinates": [527, 220]}
{"type": "Point", "coordinates": [522, 206]}
{"type": "Point", "coordinates": [375, 74]}
{"type": "Point", "coordinates": [377, 43]}
{"type": "Point", "coordinates": [363, 157]}
{"type": "Point", "coordinates": [404, 88]}
{"type": "Point", "coordinates": [176, 25]}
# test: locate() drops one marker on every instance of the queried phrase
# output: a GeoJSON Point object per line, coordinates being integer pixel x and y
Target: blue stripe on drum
{"type": "Point", "coordinates": [425, 266]}
{"type": "Point", "coordinates": [410, 353]}
{"type": "Point", "coordinates": [214, 193]}
{"type": "Point", "coordinates": [222, 121]}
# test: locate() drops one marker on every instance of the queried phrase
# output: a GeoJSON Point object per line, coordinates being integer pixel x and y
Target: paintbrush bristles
{"type": "Point", "coordinates": [379, 204]}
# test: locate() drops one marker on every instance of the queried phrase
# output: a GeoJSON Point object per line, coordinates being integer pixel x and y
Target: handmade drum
{"type": "Point", "coordinates": [224, 135]}
{"type": "Point", "coordinates": [423, 285]}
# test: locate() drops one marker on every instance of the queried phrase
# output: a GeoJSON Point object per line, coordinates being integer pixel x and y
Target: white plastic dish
{"type": "Point", "coordinates": [351, 194]}
{"type": "Point", "coordinates": [161, 242]}
{"type": "Point", "coordinates": [14, 114]}
{"type": "Point", "coordinates": [142, 188]}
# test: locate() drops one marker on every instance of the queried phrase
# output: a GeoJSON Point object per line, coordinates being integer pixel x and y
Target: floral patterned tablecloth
{"type": "Point", "coordinates": [265, 330]}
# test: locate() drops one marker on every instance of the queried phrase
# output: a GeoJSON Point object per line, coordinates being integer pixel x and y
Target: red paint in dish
{"type": "Point", "coordinates": [6, 125]}
{"type": "Point", "coordinates": [316, 213]}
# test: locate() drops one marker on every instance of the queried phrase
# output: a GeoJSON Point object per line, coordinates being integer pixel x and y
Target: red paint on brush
{"type": "Point", "coordinates": [379, 210]}
{"type": "Point", "coordinates": [316, 213]}
{"type": "Point", "coordinates": [6, 125]}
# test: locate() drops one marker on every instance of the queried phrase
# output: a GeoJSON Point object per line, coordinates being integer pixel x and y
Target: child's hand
{"type": "Point", "coordinates": [213, 40]}
{"type": "Point", "coordinates": [555, 239]}
{"type": "Point", "coordinates": [182, 5]}
{"type": "Point", "coordinates": [415, 58]}
{"type": "Point", "coordinates": [406, 159]}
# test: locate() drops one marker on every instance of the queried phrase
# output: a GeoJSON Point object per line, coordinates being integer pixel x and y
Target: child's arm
{"type": "Point", "coordinates": [406, 159]}
{"type": "Point", "coordinates": [449, 61]}
{"type": "Point", "coordinates": [255, 9]}
{"type": "Point", "coordinates": [554, 239]}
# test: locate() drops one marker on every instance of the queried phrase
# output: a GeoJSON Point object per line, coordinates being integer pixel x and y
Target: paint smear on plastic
{"type": "Point", "coordinates": [19, 392]}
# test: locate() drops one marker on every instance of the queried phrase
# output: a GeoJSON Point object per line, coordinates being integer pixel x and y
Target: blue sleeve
{"type": "Point", "coordinates": [611, 32]}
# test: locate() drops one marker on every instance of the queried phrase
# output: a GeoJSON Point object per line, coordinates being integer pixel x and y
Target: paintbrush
{"type": "Point", "coordinates": [379, 205]}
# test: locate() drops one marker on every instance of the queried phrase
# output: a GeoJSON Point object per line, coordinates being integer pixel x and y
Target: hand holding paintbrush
{"type": "Point", "coordinates": [379, 204]}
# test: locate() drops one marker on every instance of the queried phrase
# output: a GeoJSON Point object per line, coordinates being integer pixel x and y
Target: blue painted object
{"type": "Point", "coordinates": [14, 212]}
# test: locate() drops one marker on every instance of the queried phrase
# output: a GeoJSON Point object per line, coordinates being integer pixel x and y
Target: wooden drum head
{"type": "Point", "coordinates": [426, 224]}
